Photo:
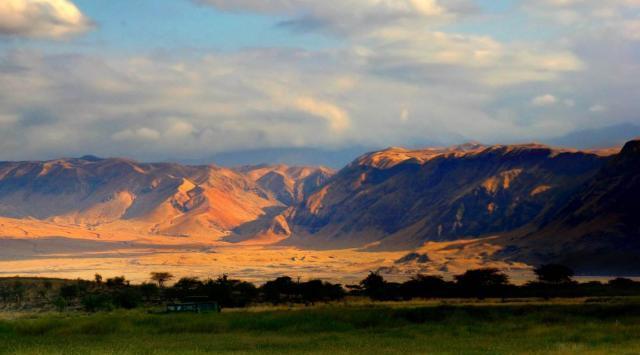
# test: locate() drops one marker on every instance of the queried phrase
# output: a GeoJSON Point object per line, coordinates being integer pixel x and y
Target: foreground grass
{"type": "Point", "coordinates": [571, 328]}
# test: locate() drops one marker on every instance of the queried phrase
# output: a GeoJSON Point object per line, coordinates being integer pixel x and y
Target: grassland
{"type": "Point", "coordinates": [560, 327]}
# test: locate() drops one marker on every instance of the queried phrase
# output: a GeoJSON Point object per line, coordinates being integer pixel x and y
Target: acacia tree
{"type": "Point", "coordinates": [161, 278]}
{"type": "Point", "coordinates": [374, 286]}
{"type": "Point", "coordinates": [554, 274]}
{"type": "Point", "coordinates": [481, 282]}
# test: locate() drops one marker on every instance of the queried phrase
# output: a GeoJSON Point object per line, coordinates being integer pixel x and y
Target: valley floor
{"type": "Point", "coordinates": [596, 326]}
{"type": "Point", "coordinates": [38, 248]}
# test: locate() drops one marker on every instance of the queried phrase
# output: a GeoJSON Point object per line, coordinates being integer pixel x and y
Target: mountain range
{"type": "Point", "coordinates": [534, 202]}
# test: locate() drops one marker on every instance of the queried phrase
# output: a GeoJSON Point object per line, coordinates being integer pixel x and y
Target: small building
{"type": "Point", "coordinates": [193, 305]}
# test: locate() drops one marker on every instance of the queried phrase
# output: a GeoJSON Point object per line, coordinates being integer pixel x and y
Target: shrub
{"type": "Point", "coordinates": [127, 298]}
{"type": "Point", "coordinates": [97, 302]}
{"type": "Point", "coordinates": [69, 292]}
{"type": "Point", "coordinates": [60, 303]}
{"type": "Point", "coordinates": [149, 291]}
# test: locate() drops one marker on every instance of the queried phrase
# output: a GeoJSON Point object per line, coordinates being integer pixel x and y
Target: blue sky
{"type": "Point", "coordinates": [190, 78]}
{"type": "Point", "coordinates": [171, 23]}
{"type": "Point", "coordinates": [148, 25]}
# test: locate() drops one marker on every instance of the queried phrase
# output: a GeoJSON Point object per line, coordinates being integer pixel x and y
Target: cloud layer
{"type": "Point", "coordinates": [399, 75]}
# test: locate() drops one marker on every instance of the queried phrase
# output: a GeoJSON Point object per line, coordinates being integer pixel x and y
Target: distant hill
{"type": "Point", "coordinates": [334, 159]}
{"type": "Point", "coordinates": [167, 199]}
{"type": "Point", "coordinates": [604, 137]}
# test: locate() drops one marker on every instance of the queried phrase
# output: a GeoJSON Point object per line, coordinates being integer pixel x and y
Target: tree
{"type": "Point", "coordinates": [230, 293]}
{"type": "Point", "coordinates": [375, 286]}
{"type": "Point", "coordinates": [118, 281]}
{"type": "Point", "coordinates": [554, 274]}
{"type": "Point", "coordinates": [622, 282]}
{"type": "Point", "coordinates": [4, 293]}
{"type": "Point", "coordinates": [19, 290]}
{"type": "Point", "coordinates": [424, 286]}
{"type": "Point", "coordinates": [188, 284]}
{"type": "Point", "coordinates": [186, 287]}
{"type": "Point", "coordinates": [69, 292]}
{"type": "Point", "coordinates": [161, 278]}
{"type": "Point", "coordinates": [42, 293]}
{"type": "Point", "coordinates": [60, 303]}
{"type": "Point", "coordinates": [98, 279]}
{"type": "Point", "coordinates": [317, 290]}
{"type": "Point", "coordinates": [279, 290]}
{"type": "Point", "coordinates": [481, 282]}
{"type": "Point", "coordinates": [243, 294]}
{"type": "Point", "coordinates": [149, 290]}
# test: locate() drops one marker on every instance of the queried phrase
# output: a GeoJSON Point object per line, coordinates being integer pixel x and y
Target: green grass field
{"type": "Point", "coordinates": [566, 327]}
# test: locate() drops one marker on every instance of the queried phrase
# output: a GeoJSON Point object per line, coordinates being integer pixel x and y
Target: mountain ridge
{"type": "Point", "coordinates": [163, 198]}
{"type": "Point", "coordinates": [391, 199]}
{"type": "Point", "coordinates": [437, 179]}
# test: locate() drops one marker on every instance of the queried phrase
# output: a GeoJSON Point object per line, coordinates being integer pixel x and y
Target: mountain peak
{"type": "Point", "coordinates": [631, 148]}
{"type": "Point", "coordinates": [91, 158]}
{"type": "Point", "coordinates": [392, 156]}
{"type": "Point", "coordinates": [472, 145]}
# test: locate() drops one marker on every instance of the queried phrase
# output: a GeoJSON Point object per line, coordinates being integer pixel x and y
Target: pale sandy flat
{"type": "Point", "coordinates": [36, 248]}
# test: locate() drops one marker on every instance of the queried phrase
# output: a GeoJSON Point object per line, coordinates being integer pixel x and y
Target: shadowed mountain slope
{"type": "Point", "coordinates": [289, 184]}
{"type": "Point", "coordinates": [400, 198]}
{"type": "Point", "coordinates": [598, 230]}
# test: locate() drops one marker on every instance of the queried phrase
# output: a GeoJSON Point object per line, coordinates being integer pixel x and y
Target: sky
{"type": "Point", "coordinates": [186, 79]}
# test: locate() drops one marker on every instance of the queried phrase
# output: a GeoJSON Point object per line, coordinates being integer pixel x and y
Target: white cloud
{"type": "Point", "coordinates": [587, 3]}
{"type": "Point", "coordinates": [631, 29]}
{"type": "Point", "coordinates": [140, 134]}
{"type": "Point", "coordinates": [544, 100]}
{"type": "Point", "coordinates": [598, 108]}
{"type": "Point", "coordinates": [293, 7]}
{"type": "Point", "coordinates": [404, 115]}
{"type": "Point", "coordinates": [338, 119]}
{"type": "Point", "coordinates": [486, 60]}
{"type": "Point", "coordinates": [41, 18]}
{"type": "Point", "coordinates": [159, 107]}
{"type": "Point", "coordinates": [7, 119]}
{"type": "Point", "coordinates": [588, 15]}
{"type": "Point", "coordinates": [179, 129]}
